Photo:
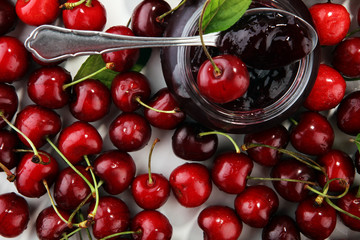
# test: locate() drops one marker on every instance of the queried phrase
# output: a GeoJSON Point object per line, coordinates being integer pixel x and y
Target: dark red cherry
{"type": "Point", "coordinates": [9, 142]}
{"type": "Point", "coordinates": [14, 215]}
{"type": "Point", "coordinates": [163, 100]}
{"type": "Point", "coordinates": [79, 139]}
{"type": "Point", "coordinates": [112, 216]}
{"type": "Point", "coordinates": [351, 204]}
{"type": "Point", "coordinates": [117, 169]}
{"type": "Point", "coordinates": [91, 101]}
{"type": "Point", "coordinates": [188, 145]}
{"type": "Point", "coordinates": [129, 132]}
{"type": "Point", "coordinates": [277, 137]}
{"type": "Point", "coordinates": [8, 17]}
{"type": "Point", "coordinates": [256, 204]}
{"type": "Point", "coordinates": [37, 123]}
{"type": "Point", "coordinates": [123, 60]}
{"type": "Point", "coordinates": [9, 102]}
{"type": "Point", "coordinates": [49, 226]}
{"type": "Point", "coordinates": [191, 184]}
{"type": "Point", "coordinates": [348, 113]}
{"type": "Point", "coordinates": [144, 20]}
{"type": "Point", "coordinates": [219, 222]}
{"type": "Point", "coordinates": [37, 12]}
{"type": "Point", "coordinates": [346, 57]}
{"type": "Point", "coordinates": [281, 227]}
{"type": "Point", "coordinates": [45, 87]}
{"type": "Point", "coordinates": [152, 225]}
{"type": "Point", "coordinates": [30, 175]}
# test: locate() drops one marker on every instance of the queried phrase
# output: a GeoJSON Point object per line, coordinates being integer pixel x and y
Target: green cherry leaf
{"type": "Point", "coordinates": [357, 141]}
{"type": "Point", "coordinates": [222, 14]}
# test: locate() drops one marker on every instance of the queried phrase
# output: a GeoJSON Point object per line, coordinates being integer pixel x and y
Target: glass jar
{"type": "Point", "coordinates": [176, 66]}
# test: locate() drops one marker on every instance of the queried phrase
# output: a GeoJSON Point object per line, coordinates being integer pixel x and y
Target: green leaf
{"type": "Point", "coordinates": [357, 141]}
{"type": "Point", "coordinates": [222, 14]}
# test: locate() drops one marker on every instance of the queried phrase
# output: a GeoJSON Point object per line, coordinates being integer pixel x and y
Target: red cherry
{"type": "Point", "coordinates": [231, 84]}
{"type": "Point", "coordinates": [14, 215]}
{"type": "Point", "coordinates": [9, 102]}
{"type": "Point", "coordinates": [219, 222]}
{"type": "Point", "coordinates": [117, 170]}
{"type": "Point", "coordinates": [348, 114]}
{"type": "Point", "coordinates": [9, 143]}
{"type": "Point", "coordinates": [281, 227]}
{"type": "Point", "coordinates": [351, 204]}
{"type": "Point", "coordinates": [346, 57]}
{"type": "Point", "coordinates": [37, 12]}
{"type": "Point", "coordinates": [191, 184]}
{"type": "Point", "coordinates": [256, 204]}
{"type": "Point", "coordinates": [79, 139]}
{"type": "Point", "coordinates": [8, 17]}
{"type": "Point", "coordinates": [332, 22]}
{"type": "Point", "coordinates": [49, 226]}
{"type": "Point", "coordinates": [328, 90]}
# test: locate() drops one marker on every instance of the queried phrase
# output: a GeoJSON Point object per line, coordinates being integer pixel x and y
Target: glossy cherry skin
{"type": "Point", "coordinates": [337, 164]}
{"type": "Point", "coordinates": [230, 171]}
{"type": "Point", "coordinates": [14, 215]}
{"type": "Point", "coordinates": [9, 142]}
{"type": "Point", "coordinates": [346, 57]}
{"type": "Point", "coordinates": [290, 168]}
{"type": "Point", "coordinates": [144, 18]}
{"type": "Point", "coordinates": [163, 100]}
{"type": "Point", "coordinates": [150, 195]}
{"type": "Point", "coordinates": [328, 90]}
{"type": "Point", "coordinates": [277, 136]}
{"type": "Point", "coordinates": [256, 204]}
{"type": "Point", "coordinates": [83, 17]}
{"type": "Point", "coordinates": [117, 169]}
{"type": "Point", "coordinates": [9, 102]}
{"type": "Point", "coordinates": [37, 12]}
{"type": "Point", "coordinates": [30, 176]}
{"type": "Point", "coordinates": [315, 221]}
{"type": "Point", "coordinates": [126, 87]}
{"type": "Point", "coordinates": [112, 216]}
{"type": "Point", "coordinates": [123, 59]}
{"type": "Point", "coordinates": [313, 134]}
{"type": "Point", "coordinates": [129, 132]}
{"type": "Point", "coordinates": [37, 123]}
{"type": "Point", "coordinates": [13, 59]}
{"type": "Point", "coordinates": [70, 189]}
{"type": "Point", "coordinates": [45, 87]}
{"type": "Point", "coordinates": [219, 222]}
{"type": "Point", "coordinates": [351, 204]}
{"type": "Point", "coordinates": [91, 101]}
{"type": "Point", "coordinates": [79, 139]}
{"type": "Point", "coordinates": [332, 22]}
{"type": "Point", "coordinates": [188, 145]}
{"type": "Point", "coordinates": [8, 17]}
{"type": "Point", "coordinates": [191, 184]}
{"type": "Point", "coordinates": [152, 224]}
{"type": "Point", "coordinates": [49, 225]}
{"type": "Point", "coordinates": [230, 85]}
{"type": "Point", "coordinates": [281, 227]}
{"type": "Point", "coordinates": [348, 112]}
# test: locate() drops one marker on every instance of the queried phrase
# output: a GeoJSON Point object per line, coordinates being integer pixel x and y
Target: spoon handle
{"type": "Point", "coordinates": [51, 43]}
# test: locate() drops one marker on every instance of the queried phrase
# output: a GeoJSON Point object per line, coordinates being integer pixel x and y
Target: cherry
{"type": "Point", "coordinates": [45, 87]}
{"type": "Point", "coordinates": [112, 216]}
{"type": "Point", "coordinates": [79, 139]}
{"type": "Point", "coordinates": [9, 143]}
{"type": "Point", "coordinates": [315, 221]}
{"type": "Point", "coordinates": [256, 204]}
{"type": "Point", "coordinates": [144, 20]}
{"type": "Point", "coordinates": [281, 227]}
{"type": "Point", "coordinates": [332, 22]}
{"type": "Point", "coordinates": [49, 225]}
{"type": "Point", "coordinates": [351, 204]}
{"type": "Point", "coordinates": [129, 132]}
{"type": "Point", "coordinates": [227, 85]}
{"type": "Point", "coordinates": [8, 102]}
{"type": "Point", "coordinates": [230, 171]}
{"type": "Point", "coordinates": [346, 57]}
{"type": "Point", "coordinates": [30, 175]}
{"type": "Point", "coordinates": [91, 101]}
{"type": "Point", "coordinates": [127, 87]}
{"type": "Point", "coordinates": [328, 90]}
{"type": "Point", "coordinates": [37, 12]}
{"type": "Point", "coordinates": [191, 184]}
{"type": "Point", "coordinates": [14, 215]}
{"type": "Point", "coordinates": [313, 134]}
{"type": "Point", "coordinates": [151, 225]}
{"type": "Point", "coordinates": [85, 16]}
{"type": "Point", "coordinates": [8, 17]}
{"type": "Point", "coordinates": [348, 112]}
{"type": "Point", "coordinates": [188, 145]}
{"type": "Point", "coordinates": [124, 59]}
{"type": "Point", "coordinates": [219, 222]}
{"type": "Point", "coordinates": [117, 170]}
{"type": "Point", "coordinates": [13, 59]}
{"type": "Point", "coordinates": [276, 136]}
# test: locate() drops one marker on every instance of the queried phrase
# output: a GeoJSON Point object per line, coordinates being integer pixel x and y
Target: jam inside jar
{"type": "Point", "coordinates": [273, 95]}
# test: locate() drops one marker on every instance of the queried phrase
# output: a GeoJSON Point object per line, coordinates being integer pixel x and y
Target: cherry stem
{"type": "Point", "coordinates": [352, 33]}
{"type": "Point", "coordinates": [91, 215]}
{"type": "Point", "coordinates": [121, 234]}
{"type": "Point", "coordinates": [70, 234]}
{"type": "Point", "coordinates": [70, 6]}
{"type": "Point", "coordinates": [340, 209]}
{"type": "Point", "coordinates": [324, 195]}
{"type": "Point", "coordinates": [175, 110]}
{"type": "Point", "coordinates": [161, 17]}
{"type": "Point", "coordinates": [237, 149]}
{"type": "Point", "coordinates": [88, 3]}
{"type": "Point", "coordinates": [81, 218]}
{"type": "Point", "coordinates": [10, 176]}
{"type": "Point", "coordinates": [151, 182]}
{"type": "Point", "coordinates": [293, 121]}
{"type": "Point", "coordinates": [281, 179]}
{"type": "Point", "coordinates": [356, 141]}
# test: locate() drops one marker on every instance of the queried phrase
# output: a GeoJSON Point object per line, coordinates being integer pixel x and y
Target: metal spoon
{"type": "Point", "coordinates": [50, 43]}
